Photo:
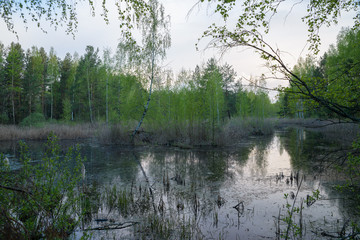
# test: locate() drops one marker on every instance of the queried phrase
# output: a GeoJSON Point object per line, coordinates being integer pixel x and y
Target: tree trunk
{"type": "Point", "coordinates": [12, 99]}
{"type": "Point", "coordinates": [52, 100]}
{"type": "Point", "coordinates": [107, 100]}
{"type": "Point", "coordinates": [43, 97]}
{"type": "Point", "coordinates": [30, 105]}
{"type": "Point", "coordinates": [151, 83]}
{"type": "Point", "coordinates": [88, 86]}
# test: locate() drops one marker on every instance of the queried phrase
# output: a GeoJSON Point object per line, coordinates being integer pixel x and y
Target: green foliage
{"type": "Point", "coordinates": [254, 20]}
{"type": "Point", "coordinates": [351, 169]}
{"type": "Point", "coordinates": [33, 120]}
{"type": "Point", "coordinates": [79, 89]}
{"type": "Point", "coordinates": [64, 13]}
{"type": "Point", "coordinates": [329, 87]}
{"type": "Point", "coordinates": [41, 200]}
{"type": "Point", "coordinates": [67, 110]}
{"type": "Point", "coordinates": [294, 230]}
{"type": "Point", "coordinates": [13, 72]}
{"type": "Point", "coordinates": [33, 81]}
{"type": "Point", "coordinates": [4, 119]}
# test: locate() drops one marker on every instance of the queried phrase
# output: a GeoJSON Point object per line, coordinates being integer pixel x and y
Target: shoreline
{"type": "Point", "coordinates": [177, 135]}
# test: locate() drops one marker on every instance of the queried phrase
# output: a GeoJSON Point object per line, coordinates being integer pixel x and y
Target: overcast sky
{"type": "Point", "coordinates": [289, 34]}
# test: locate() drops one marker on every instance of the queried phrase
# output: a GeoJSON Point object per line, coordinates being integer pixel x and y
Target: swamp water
{"type": "Point", "coordinates": [232, 193]}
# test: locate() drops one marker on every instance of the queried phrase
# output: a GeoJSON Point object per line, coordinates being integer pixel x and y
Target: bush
{"type": "Point", "coordinates": [4, 118]}
{"type": "Point", "coordinates": [34, 119]}
{"type": "Point", "coordinates": [41, 201]}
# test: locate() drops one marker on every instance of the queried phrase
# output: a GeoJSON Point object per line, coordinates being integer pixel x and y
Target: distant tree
{"type": "Point", "coordinates": [215, 100]}
{"type": "Point", "coordinates": [87, 77]}
{"type": "Point", "coordinates": [107, 64]}
{"type": "Point", "coordinates": [64, 90]}
{"type": "Point", "coordinates": [33, 80]}
{"type": "Point", "coordinates": [53, 74]}
{"type": "Point", "coordinates": [44, 78]}
{"type": "Point", "coordinates": [3, 93]}
{"type": "Point", "coordinates": [13, 75]}
{"type": "Point", "coordinates": [228, 78]}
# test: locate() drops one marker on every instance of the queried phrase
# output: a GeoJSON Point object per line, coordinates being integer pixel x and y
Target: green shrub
{"type": "Point", "coordinates": [34, 119]}
{"type": "Point", "coordinates": [41, 201]}
{"type": "Point", "coordinates": [4, 119]}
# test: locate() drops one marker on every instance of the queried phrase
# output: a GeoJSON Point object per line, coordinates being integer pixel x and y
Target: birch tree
{"type": "Point", "coordinates": [107, 66]}
{"type": "Point", "coordinates": [156, 39]}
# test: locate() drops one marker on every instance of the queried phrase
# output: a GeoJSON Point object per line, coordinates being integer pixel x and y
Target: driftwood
{"type": "Point", "coordinates": [113, 226]}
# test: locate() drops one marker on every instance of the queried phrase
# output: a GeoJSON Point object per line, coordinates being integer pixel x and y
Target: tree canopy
{"type": "Point", "coordinates": [253, 23]}
{"type": "Point", "coordinates": [255, 18]}
{"type": "Point", "coordinates": [64, 13]}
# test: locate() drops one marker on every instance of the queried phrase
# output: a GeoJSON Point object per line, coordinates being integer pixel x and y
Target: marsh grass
{"type": "Point", "coordinates": [180, 134]}
{"type": "Point", "coordinates": [343, 132]}
{"type": "Point", "coordinates": [189, 134]}
{"type": "Point", "coordinates": [62, 131]}
{"type": "Point", "coordinates": [177, 215]}
{"type": "Point", "coordinates": [238, 128]}
{"type": "Point", "coordinates": [331, 129]}
{"type": "Point", "coordinates": [119, 134]}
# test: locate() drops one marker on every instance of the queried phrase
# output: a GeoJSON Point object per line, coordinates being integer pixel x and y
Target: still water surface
{"type": "Point", "coordinates": [257, 174]}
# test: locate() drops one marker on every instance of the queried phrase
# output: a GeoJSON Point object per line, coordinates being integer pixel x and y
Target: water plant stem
{"type": "Point", "coordinates": [292, 209]}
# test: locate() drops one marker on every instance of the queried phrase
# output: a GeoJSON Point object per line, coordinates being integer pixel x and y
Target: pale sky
{"type": "Point", "coordinates": [289, 34]}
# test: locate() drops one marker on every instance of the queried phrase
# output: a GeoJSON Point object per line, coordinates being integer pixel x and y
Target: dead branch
{"type": "Point", "coordinates": [113, 226]}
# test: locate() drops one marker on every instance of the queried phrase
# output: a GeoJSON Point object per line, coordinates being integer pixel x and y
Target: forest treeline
{"type": "Point", "coordinates": [94, 88]}
{"type": "Point", "coordinates": [105, 87]}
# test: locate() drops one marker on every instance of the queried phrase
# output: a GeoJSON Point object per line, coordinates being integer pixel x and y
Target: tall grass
{"type": "Point", "coordinates": [182, 134]}
{"type": "Point", "coordinates": [63, 131]}
{"type": "Point", "coordinates": [115, 133]}
{"type": "Point", "coordinates": [342, 132]}
{"type": "Point", "coordinates": [239, 128]}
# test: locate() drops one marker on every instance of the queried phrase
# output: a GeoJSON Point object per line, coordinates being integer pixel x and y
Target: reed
{"type": "Point", "coordinates": [62, 131]}
{"type": "Point", "coordinates": [181, 134]}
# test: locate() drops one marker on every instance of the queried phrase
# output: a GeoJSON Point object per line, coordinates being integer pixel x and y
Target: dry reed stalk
{"type": "Point", "coordinates": [11, 132]}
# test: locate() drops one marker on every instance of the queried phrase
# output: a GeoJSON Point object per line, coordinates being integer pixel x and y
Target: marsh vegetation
{"type": "Point", "coordinates": [240, 192]}
{"type": "Point", "coordinates": [196, 155]}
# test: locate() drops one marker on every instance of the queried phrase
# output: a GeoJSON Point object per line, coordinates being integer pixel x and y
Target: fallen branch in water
{"type": "Point", "coordinates": [113, 226]}
{"type": "Point", "coordinates": [15, 189]}
{"type": "Point", "coordinates": [350, 236]}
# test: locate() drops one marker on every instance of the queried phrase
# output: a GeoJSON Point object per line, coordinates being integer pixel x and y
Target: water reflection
{"type": "Point", "coordinates": [205, 185]}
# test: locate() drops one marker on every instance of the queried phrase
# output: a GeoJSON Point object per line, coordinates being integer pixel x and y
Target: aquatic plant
{"type": "Point", "coordinates": [295, 230]}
